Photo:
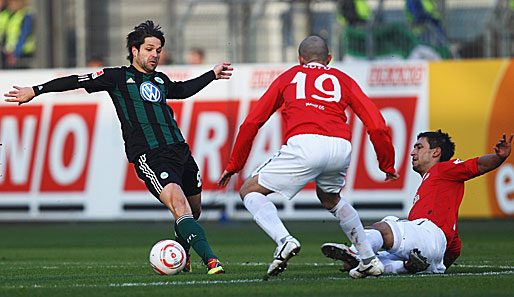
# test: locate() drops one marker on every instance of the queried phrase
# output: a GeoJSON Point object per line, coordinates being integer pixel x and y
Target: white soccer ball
{"type": "Point", "coordinates": [167, 257]}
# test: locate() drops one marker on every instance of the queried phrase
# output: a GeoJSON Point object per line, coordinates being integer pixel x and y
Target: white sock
{"type": "Point", "coordinates": [265, 214]}
{"type": "Point", "coordinates": [374, 238]}
{"type": "Point", "coordinates": [351, 224]}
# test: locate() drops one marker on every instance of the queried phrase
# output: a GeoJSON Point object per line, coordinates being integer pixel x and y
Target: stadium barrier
{"type": "Point", "coordinates": [62, 155]}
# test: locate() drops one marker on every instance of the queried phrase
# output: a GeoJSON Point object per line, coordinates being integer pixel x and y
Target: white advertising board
{"type": "Point", "coordinates": [62, 155]}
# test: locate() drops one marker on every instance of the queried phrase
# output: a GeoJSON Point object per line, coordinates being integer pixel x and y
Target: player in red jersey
{"type": "Point", "coordinates": [428, 241]}
{"type": "Point", "coordinates": [314, 97]}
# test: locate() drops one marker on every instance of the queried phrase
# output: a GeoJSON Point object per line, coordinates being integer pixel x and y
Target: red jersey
{"type": "Point", "coordinates": [315, 98]}
{"type": "Point", "coordinates": [439, 196]}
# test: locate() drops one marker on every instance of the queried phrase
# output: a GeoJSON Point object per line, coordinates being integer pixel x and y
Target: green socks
{"type": "Point", "coordinates": [180, 239]}
{"type": "Point", "coordinates": [190, 233]}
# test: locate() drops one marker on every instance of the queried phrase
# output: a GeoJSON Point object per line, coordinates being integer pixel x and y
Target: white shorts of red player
{"type": "Point", "coordinates": [305, 158]}
{"type": "Point", "coordinates": [421, 234]}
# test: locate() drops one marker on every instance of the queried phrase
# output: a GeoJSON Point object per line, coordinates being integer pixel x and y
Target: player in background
{"type": "Point", "coordinates": [153, 141]}
{"type": "Point", "coordinates": [429, 240]}
{"type": "Point", "coordinates": [314, 97]}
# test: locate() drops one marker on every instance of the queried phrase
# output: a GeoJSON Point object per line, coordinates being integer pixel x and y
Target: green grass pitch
{"type": "Point", "coordinates": [111, 259]}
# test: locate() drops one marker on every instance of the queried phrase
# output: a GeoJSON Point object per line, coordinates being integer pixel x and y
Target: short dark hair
{"type": "Point", "coordinates": [441, 140]}
{"type": "Point", "coordinates": [314, 48]}
{"type": "Point", "coordinates": [142, 31]}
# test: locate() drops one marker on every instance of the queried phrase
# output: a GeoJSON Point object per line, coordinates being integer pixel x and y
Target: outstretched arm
{"type": "Point", "coordinates": [185, 89]}
{"type": "Point", "coordinates": [502, 150]}
{"type": "Point", "coordinates": [25, 94]}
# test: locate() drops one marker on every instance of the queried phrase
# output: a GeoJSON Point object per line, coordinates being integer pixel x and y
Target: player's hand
{"type": "Point", "coordinates": [225, 178]}
{"type": "Point", "coordinates": [503, 147]}
{"type": "Point", "coordinates": [20, 95]}
{"type": "Point", "coordinates": [223, 71]}
{"type": "Point", "coordinates": [392, 177]}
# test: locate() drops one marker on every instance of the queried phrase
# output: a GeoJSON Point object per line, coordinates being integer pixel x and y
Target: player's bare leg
{"type": "Point", "coordinates": [265, 214]}
{"type": "Point", "coordinates": [195, 202]}
{"type": "Point", "coordinates": [385, 233]}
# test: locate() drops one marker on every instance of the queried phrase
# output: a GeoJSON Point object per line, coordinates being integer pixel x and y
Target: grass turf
{"type": "Point", "coordinates": [111, 259]}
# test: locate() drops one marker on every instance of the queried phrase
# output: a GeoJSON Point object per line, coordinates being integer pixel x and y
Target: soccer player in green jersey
{"type": "Point", "coordinates": [153, 142]}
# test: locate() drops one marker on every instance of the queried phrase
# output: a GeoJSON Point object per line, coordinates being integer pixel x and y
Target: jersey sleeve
{"type": "Point", "coordinates": [185, 89]}
{"type": "Point", "coordinates": [457, 170]}
{"type": "Point", "coordinates": [379, 133]}
{"type": "Point", "coordinates": [265, 107]}
{"type": "Point", "coordinates": [103, 80]}
{"type": "Point", "coordinates": [60, 84]}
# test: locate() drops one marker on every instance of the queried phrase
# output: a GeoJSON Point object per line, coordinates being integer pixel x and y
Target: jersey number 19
{"type": "Point", "coordinates": [332, 95]}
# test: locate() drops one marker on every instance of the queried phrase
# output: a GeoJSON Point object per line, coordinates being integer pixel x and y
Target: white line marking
{"type": "Point", "coordinates": [217, 282]}
{"type": "Point", "coordinates": [186, 283]}
{"type": "Point", "coordinates": [484, 266]}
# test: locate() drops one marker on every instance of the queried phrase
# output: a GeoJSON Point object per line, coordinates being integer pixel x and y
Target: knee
{"type": "Point", "coordinates": [328, 200]}
{"type": "Point", "coordinates": [173, 197]}
{"type": "Point", "coordinates": [246, 188]}
{"type": "Point", "coordinates": [252, 185]}
{"type": "Point", "coordinates": [386, 232]}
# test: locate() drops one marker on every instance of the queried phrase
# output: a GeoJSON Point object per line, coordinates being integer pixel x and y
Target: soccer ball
{"type": "Point", "coordinates": [167, 257]}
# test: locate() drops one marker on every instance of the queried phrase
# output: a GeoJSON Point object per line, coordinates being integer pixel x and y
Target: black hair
{"type": "Point", "coordinates": [314, 48]}
{"type": "Point", "coordinates": [142, 31]}
{"type": "Point", "coordinates": [441, 140]}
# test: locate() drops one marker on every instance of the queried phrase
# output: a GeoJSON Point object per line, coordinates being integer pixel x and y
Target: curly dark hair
{"type": "Point", "coordinates": [142, 31]}
{"type": "Point", "coordinates": [441, 140]}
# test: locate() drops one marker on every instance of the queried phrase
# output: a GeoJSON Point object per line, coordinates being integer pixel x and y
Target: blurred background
{"type": "Point", "coordinates": [79, 33]}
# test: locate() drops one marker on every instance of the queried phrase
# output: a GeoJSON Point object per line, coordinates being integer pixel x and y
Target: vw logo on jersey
{"type": "Point", "coordinates": [150, 92]}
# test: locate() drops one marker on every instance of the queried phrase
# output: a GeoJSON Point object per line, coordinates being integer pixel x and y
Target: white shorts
{"type": "Point", "coordinates": [304, 158]}
{"type": "Point", "coordinates": [422, 234]}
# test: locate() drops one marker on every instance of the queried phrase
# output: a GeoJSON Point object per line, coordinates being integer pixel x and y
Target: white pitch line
{"type": "Point", "coordinates": [186, 283]}
{"type": "Point", "coordinates": [217, 282]}
{"type": "Point", "coordinates": [447, 274]}
{"type": "Point", "coordinates": [484, 266]}
{"type": "Point", "coordinates": [175, 283]}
